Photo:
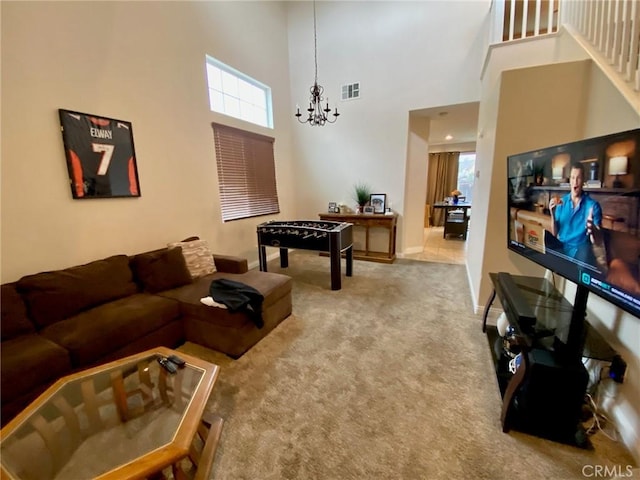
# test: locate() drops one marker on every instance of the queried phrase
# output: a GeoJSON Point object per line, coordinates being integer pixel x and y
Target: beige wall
{"type": "Point", "coordinates": [537, 107]}
{"type": "Point", "coordinates": [142, 62]}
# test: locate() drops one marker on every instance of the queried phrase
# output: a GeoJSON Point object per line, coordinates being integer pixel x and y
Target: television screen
{"type": "Point", "coordinates": [574, 209]}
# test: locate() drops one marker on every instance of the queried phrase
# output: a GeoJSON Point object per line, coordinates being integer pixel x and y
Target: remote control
{"type": "Point", "coordinates": [167, 365]}
{"type": "Point", "coordinates": [177, 360]}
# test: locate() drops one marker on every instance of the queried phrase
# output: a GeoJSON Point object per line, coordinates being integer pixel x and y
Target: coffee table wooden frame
{"type": "Point", "coordinates": [156, 460]}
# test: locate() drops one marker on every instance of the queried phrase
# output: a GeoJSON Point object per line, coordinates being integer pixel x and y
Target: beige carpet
{"type": "Point", "coordinates": [388, 378]}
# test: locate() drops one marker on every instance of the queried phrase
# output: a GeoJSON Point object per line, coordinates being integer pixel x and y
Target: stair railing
{"type": "Point", "coordinates": [608, 30]}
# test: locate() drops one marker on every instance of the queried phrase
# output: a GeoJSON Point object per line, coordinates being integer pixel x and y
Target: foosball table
{"type": "Point", "coordinates": [324, 236]}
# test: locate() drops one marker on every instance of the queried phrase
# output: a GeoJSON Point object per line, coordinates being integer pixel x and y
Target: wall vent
{"type": "Point", "coordinates": [351, 91]}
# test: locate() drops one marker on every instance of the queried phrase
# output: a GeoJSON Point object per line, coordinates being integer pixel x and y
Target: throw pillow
{"type": "Point", "coordinates": [161, 270]}
{"type": "Point", "coordinates": [198, 257]}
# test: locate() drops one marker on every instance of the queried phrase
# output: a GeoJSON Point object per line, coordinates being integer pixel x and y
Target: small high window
{"type": "Point", "coordinates": [235, 94]}
{"type": "Point", "coordinates": [466, 174]}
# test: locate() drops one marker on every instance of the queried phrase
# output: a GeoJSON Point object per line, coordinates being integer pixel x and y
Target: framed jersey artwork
{"type": "Point", "coordinates": [101, 159]}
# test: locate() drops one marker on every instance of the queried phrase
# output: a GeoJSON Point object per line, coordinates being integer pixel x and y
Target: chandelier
{"type": "Point", "coordinates": [317, 114]}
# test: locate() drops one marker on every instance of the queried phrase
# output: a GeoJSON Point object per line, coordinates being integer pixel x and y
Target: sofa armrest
{"type": "Point", "coordinates": [231, 264]}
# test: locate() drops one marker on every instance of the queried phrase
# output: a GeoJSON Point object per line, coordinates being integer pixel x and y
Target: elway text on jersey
{"type": "Point", "coordinates": [100, 133]}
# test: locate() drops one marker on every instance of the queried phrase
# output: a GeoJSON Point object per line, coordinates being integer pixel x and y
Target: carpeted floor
{"type": "Point", "coordinates": [388, 378]}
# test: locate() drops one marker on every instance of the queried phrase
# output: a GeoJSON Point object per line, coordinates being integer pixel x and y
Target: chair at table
{"type": "Point", "coordinates": [456, 223]}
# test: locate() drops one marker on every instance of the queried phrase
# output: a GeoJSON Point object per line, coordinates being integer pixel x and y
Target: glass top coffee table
{"type": "Point", "coordinates": [126, 419]}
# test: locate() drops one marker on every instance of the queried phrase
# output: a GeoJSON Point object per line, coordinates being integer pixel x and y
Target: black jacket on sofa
{"type": "Point", "coordinates": [238, 296]}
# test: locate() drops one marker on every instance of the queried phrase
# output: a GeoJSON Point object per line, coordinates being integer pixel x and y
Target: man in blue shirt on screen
{"type": "Point", "coordinates": [577, 219]}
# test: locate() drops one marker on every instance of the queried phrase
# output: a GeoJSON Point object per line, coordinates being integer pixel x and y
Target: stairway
{"type": "Point", "coordinates": [608, 30]}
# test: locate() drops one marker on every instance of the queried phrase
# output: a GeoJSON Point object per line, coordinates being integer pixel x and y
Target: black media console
{"type": "Point", "coordinates": [544, 396]}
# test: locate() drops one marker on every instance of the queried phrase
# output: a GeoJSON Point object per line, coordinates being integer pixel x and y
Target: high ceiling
{"type": "Point", "coordinates": [459, 121]}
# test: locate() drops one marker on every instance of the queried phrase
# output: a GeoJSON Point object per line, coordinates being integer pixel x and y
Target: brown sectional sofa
{"type": "Point", "coordinates": [54, 323]}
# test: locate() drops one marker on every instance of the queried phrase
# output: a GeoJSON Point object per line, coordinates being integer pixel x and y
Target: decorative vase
{"type": "Point", "coordinates": [455, 199]}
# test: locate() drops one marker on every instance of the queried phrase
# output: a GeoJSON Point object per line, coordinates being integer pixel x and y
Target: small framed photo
{"type": "Point", "coordinates": [378, 201]}
{"type": "Point", "coordinates": [368, 209]}
{"type": "Point", "coordinates": [333, 206]}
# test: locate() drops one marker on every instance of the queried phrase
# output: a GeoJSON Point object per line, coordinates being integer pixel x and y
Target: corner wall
{"type": "Point", "coordinates": [527, 108]}
{"type": "Point", "coordinates": [406, 57]}
{"type": "Point", "coordinates": [415, 183]}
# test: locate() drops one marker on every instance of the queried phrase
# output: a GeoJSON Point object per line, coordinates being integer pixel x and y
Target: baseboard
{"type": "Point", "coordinates": [625, 419]}
{"type": "Point", "coordinates": [409, 251]}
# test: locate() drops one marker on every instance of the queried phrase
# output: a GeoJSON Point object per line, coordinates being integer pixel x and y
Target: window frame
{"type": "Point", "coordinates": [234, 101]}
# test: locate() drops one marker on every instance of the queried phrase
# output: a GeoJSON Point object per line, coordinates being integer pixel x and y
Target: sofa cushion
{"type": "Point", "coordinates": [197, 255]}
{"type": "Point", "coordinates": [14, 320]}
{"type": "Point", "coordinates": [28, 363]}
{"type": "Point", "coordinates": [93, 334]}
{"type": "Point", "coordinates": [272, 286]}
{"type": "Point", "coordinates": [161, 269]}
{"type": "Point", "coordinates": [54, 296]}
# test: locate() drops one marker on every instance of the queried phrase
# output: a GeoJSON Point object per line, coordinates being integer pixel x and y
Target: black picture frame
{"type": "Point", "coordinates": [100, 154]}
{"type": "Point", "coordinates": [333, 207]}
{"type": "Point", "coordinates": [378, 201]}
{"type": "Point", "coordinates": [368, 209]}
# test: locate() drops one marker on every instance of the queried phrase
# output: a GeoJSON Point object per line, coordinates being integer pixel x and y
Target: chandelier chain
{"type": "Point", "coordinates": [315, 40]}
{"type": "Point", "coordinates": [317, 114]}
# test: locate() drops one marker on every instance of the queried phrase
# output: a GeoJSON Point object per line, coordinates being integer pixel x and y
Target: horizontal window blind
{"type": "Point", "coordinates": [246, 173]}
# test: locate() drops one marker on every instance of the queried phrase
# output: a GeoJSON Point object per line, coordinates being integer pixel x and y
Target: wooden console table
{"type": "Point", "coordinates": [369, 221]}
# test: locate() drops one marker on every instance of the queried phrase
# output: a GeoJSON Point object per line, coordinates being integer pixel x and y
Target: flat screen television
{"type": "Point", "coordinates": [575, 210]}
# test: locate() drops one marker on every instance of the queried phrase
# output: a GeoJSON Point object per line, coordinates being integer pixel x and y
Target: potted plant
{"type": "Point", "coordinates": [362, 192]}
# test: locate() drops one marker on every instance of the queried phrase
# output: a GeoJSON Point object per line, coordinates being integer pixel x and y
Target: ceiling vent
{"type": "Point", "coordinates": [351, 91]}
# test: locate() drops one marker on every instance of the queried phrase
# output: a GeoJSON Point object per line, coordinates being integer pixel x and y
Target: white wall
{"type": "Point", "coordinates": [453, 147]}
{"type": "Point", "coordinates": [142, 62]}
{"type": "Point", "coordinates": [406, 56]}
{"type": "Point", "coordinates": [415, 183]}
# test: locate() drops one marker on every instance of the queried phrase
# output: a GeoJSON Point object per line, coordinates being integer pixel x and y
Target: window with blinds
{"type": "Point", "coordinates": [246, 173]}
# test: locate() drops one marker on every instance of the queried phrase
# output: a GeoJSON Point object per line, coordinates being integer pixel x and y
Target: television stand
{"type": "Point", "coordinates": [544, 396]}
